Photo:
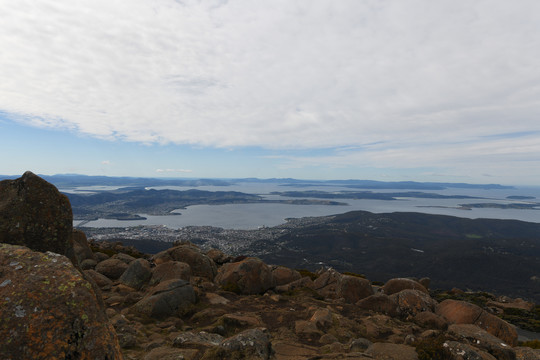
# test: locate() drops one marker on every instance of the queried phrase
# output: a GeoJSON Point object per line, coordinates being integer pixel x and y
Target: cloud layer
{"type": "Point", "coordinates": [403, 82]}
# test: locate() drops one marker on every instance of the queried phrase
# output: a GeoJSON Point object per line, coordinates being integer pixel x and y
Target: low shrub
{"type": "Point", "coordinates": [432, 348]}
{"type": "Point", "coordinates": [307, 273]}
{"type": "Point", "coordinates": [535, 344]}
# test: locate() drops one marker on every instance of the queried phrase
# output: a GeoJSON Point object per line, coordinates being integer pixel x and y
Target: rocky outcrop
{"type": "Point", "coordinates": [461, 312]}
{"type": "Point", "coordinates": [34, 214]}
{"type": "Point", "coordinates": [49, 311]}
{"type": "Point", "coordinates": [249, 276]}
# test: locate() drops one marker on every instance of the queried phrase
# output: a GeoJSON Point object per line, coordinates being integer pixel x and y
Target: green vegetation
{"type": "Point", "coordinates": [527, 320]}
{"type": "Point", "coordinates": [304, 291]}
{"type": "Point", "coordinates": [307, 273]}
{"type": "Point", "coordinates": [432, 348]}
{"type": "Point", "coordinates": [354, 274]}
{"type": "Point", "coordinates": [477, 298]}
{"type": "Point", "coordinates": [535, 344]}
{"type": "Point", "coordinates": [232, 287]}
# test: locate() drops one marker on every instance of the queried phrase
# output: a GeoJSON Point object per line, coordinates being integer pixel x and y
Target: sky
{"type": "Point", "coordinates": [313, 89]}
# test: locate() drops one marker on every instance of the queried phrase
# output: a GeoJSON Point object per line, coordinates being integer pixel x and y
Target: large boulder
{"type": "Point", "coordinates": [81, 248]}
{"type": "Point", "coordinates": [480, 338]}
{"type": "Point", "coordinates": [169, 298]}
{"type": "Point", "coordinates": [466, 352]}
{"type": "Point", "coordinates": [411, 302]}
{"type": "Point", "coordinates": [170, 270]}
{"type": "Point", "coordinates": [112, 268]}
{"type": "Point", "coordinates": [201, 265]}
{"type": "Point", "coordinates": [380, 303]}
{"type": "Point", "coordinates": [283, 275]}
{"type": "Point", "coordinates": [48, 310]}
{"type": "Point", "coordinates": [328, 284]}
{"type": "Point", "coordinates": [301, 283]}
{"type": "Point", "coordinates": [396, 285]}
{"type": "Point", "coordinates": [249, 276]}
{"type": "Point", "coordinates": [137, 274]}
{"type": "Point", "coordinates": [100, 279]}
{"type": "Point", "coordinates": [353, 288]}
{"type": "Point", "coordinates": [249, 344]}
{"type": "Point", "coordinates": [461, 312]}
{"type": "Point", "coordinates": [333, 285]}
{"type": "Point", "coordinates": [35, 214]}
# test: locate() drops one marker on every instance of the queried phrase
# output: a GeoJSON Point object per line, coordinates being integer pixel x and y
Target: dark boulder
{"type": "Point", "coordinates": [81, 248]}
{"type": "Point", "coordinates": [171, 297]}
{"type": "Point", "coordinates": [137, 274]}
{"type": "Point", "coordinates": [100, 279]}
{"type": "Point", "coordinates": [112, 268]}
{"type": "Point", "coordinates": [33, 213]}
{"type": "Point", "coordinates": [249, 276]}
{"type": "Point", "coordinates": [353, 288]}
{"type": "Point", "coordinates": [380, 303]}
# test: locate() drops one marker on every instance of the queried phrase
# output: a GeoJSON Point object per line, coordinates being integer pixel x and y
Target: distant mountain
{"type": "Point", "coordinates": [75, 180]}
{"type": "Point", "coordinates": [401, 185]}
{"type": "Point", "coordinates": [368, 195]}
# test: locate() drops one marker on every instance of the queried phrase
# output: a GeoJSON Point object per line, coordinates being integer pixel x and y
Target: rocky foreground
{"type": "Point", "coordinates": [63, 297]}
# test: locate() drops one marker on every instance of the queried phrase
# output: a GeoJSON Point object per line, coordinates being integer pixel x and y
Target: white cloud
{"type": "Point", "coordinates": [417, 76]}
{"type": "Point", "coordinates": [106, 162]}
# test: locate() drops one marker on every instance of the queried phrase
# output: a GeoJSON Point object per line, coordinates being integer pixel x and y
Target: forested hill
{"type": "Point", "coordinates": [497, 255]}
